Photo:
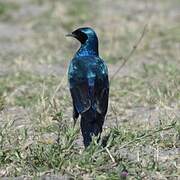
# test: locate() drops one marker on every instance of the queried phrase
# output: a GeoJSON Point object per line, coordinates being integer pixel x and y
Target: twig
{"type": "Point", "coordinates": [115, 113]}
{"type": "Point", "coordinates": [52, 100]}
{"type": "Point", "coordinates": [126, 59]}
{"type": "Point", "coordinates": [57, 88]}
{"type": "Point", "coordinates": [110, 155]}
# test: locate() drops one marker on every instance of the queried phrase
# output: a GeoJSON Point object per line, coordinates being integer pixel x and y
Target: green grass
{"type": "Point", "coordinates": [34, 151]}
{"type": "Point", "coordinates": [24, 89]}
{"type": "Point", "coordinates": [143, 117]}
{"type": "Point", "coordinates": [5, 9]}
{"type": "Point", "coordinates": [63, 155]}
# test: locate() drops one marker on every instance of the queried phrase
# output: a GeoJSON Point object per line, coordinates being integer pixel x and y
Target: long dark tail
{"type": "Point", "coordinates": [91, 124]}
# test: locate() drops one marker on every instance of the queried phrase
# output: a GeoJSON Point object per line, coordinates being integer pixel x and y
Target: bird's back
{"type": "Point", "coordinates": [85, 68]}
{"type": "Point", "coordinates": [87, 78]}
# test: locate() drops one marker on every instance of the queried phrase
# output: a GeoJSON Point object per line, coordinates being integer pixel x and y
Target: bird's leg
{"type": "Point", "coordinates": [75, 116]}
{"type": "Point", "coordinates": [74, 122]}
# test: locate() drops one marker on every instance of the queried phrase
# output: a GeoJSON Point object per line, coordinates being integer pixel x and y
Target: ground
{"type": "Point", "coordinates": [37, 137]}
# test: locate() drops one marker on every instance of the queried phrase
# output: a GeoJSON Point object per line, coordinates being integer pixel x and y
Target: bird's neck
{"type": "Point", "coordinates": [90, 48]}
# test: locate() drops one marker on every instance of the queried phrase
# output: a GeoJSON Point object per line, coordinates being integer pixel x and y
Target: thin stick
{"type": "Point", "coordinates": [113, 110]}
{"type": "Point", "coordinates": [52, 100]}
{"type": "Point", "coordinates": [126, 59]}
{"type": "Point", "coordinates": [57, 88]}
{"type": "Point", "coordinates": [110, 155]}
{"type": "Point", "coordinates": [147, 135]}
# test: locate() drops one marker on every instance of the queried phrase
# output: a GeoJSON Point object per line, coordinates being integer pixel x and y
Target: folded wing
{"type": "Point", "coordinates": [89, 85]}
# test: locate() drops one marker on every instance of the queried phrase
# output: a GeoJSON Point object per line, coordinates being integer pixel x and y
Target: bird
{"type": "Point", "coordinates": [88, 84]}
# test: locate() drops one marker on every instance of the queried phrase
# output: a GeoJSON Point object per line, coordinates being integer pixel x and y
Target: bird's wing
{"type": "Point", "coordinates": [80, 97]}
{"type": "Point", "coordinates": [89, 85]}
{"type": "Point", "coordinates": [102, 89]}
{"type": "Point", "coordinates": [79, 86]}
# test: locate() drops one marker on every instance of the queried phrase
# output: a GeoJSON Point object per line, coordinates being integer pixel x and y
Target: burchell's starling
{"type": "Point", "coordinates": [89, 84]}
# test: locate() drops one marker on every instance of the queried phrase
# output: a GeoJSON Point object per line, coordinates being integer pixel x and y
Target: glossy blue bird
{"type": "Point", "coordinates": [89, 84]}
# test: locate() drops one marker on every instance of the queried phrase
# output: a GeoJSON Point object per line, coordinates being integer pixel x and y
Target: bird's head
{"type": "Point", "coordinates": [87, 38]}
{"type": "Point", "coordinates": [83, 34]}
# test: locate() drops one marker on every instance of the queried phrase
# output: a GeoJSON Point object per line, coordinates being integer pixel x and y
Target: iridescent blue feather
{"type": "Point", "coordinates": [89, 86]}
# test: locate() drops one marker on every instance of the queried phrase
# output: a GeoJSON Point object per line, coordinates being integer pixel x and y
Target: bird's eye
{"type": "Point", "coordinates": [81, 36]}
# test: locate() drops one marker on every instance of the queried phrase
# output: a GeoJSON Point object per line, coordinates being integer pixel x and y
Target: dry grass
{"type": "Point", "coordinates": [37, 138]}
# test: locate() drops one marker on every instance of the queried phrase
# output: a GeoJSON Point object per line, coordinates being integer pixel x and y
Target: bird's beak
{"type": "Point", "coordinates": [70, 35]}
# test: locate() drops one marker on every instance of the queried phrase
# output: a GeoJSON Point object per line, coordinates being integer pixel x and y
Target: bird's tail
{"type": "Point", "coordinates": [91, 125]}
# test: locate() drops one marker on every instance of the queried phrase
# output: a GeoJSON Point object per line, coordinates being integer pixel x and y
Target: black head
{"type": "Point", "coordinates": [88, 39]}
{"type": "Point", "coordinates": [83, 34]}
